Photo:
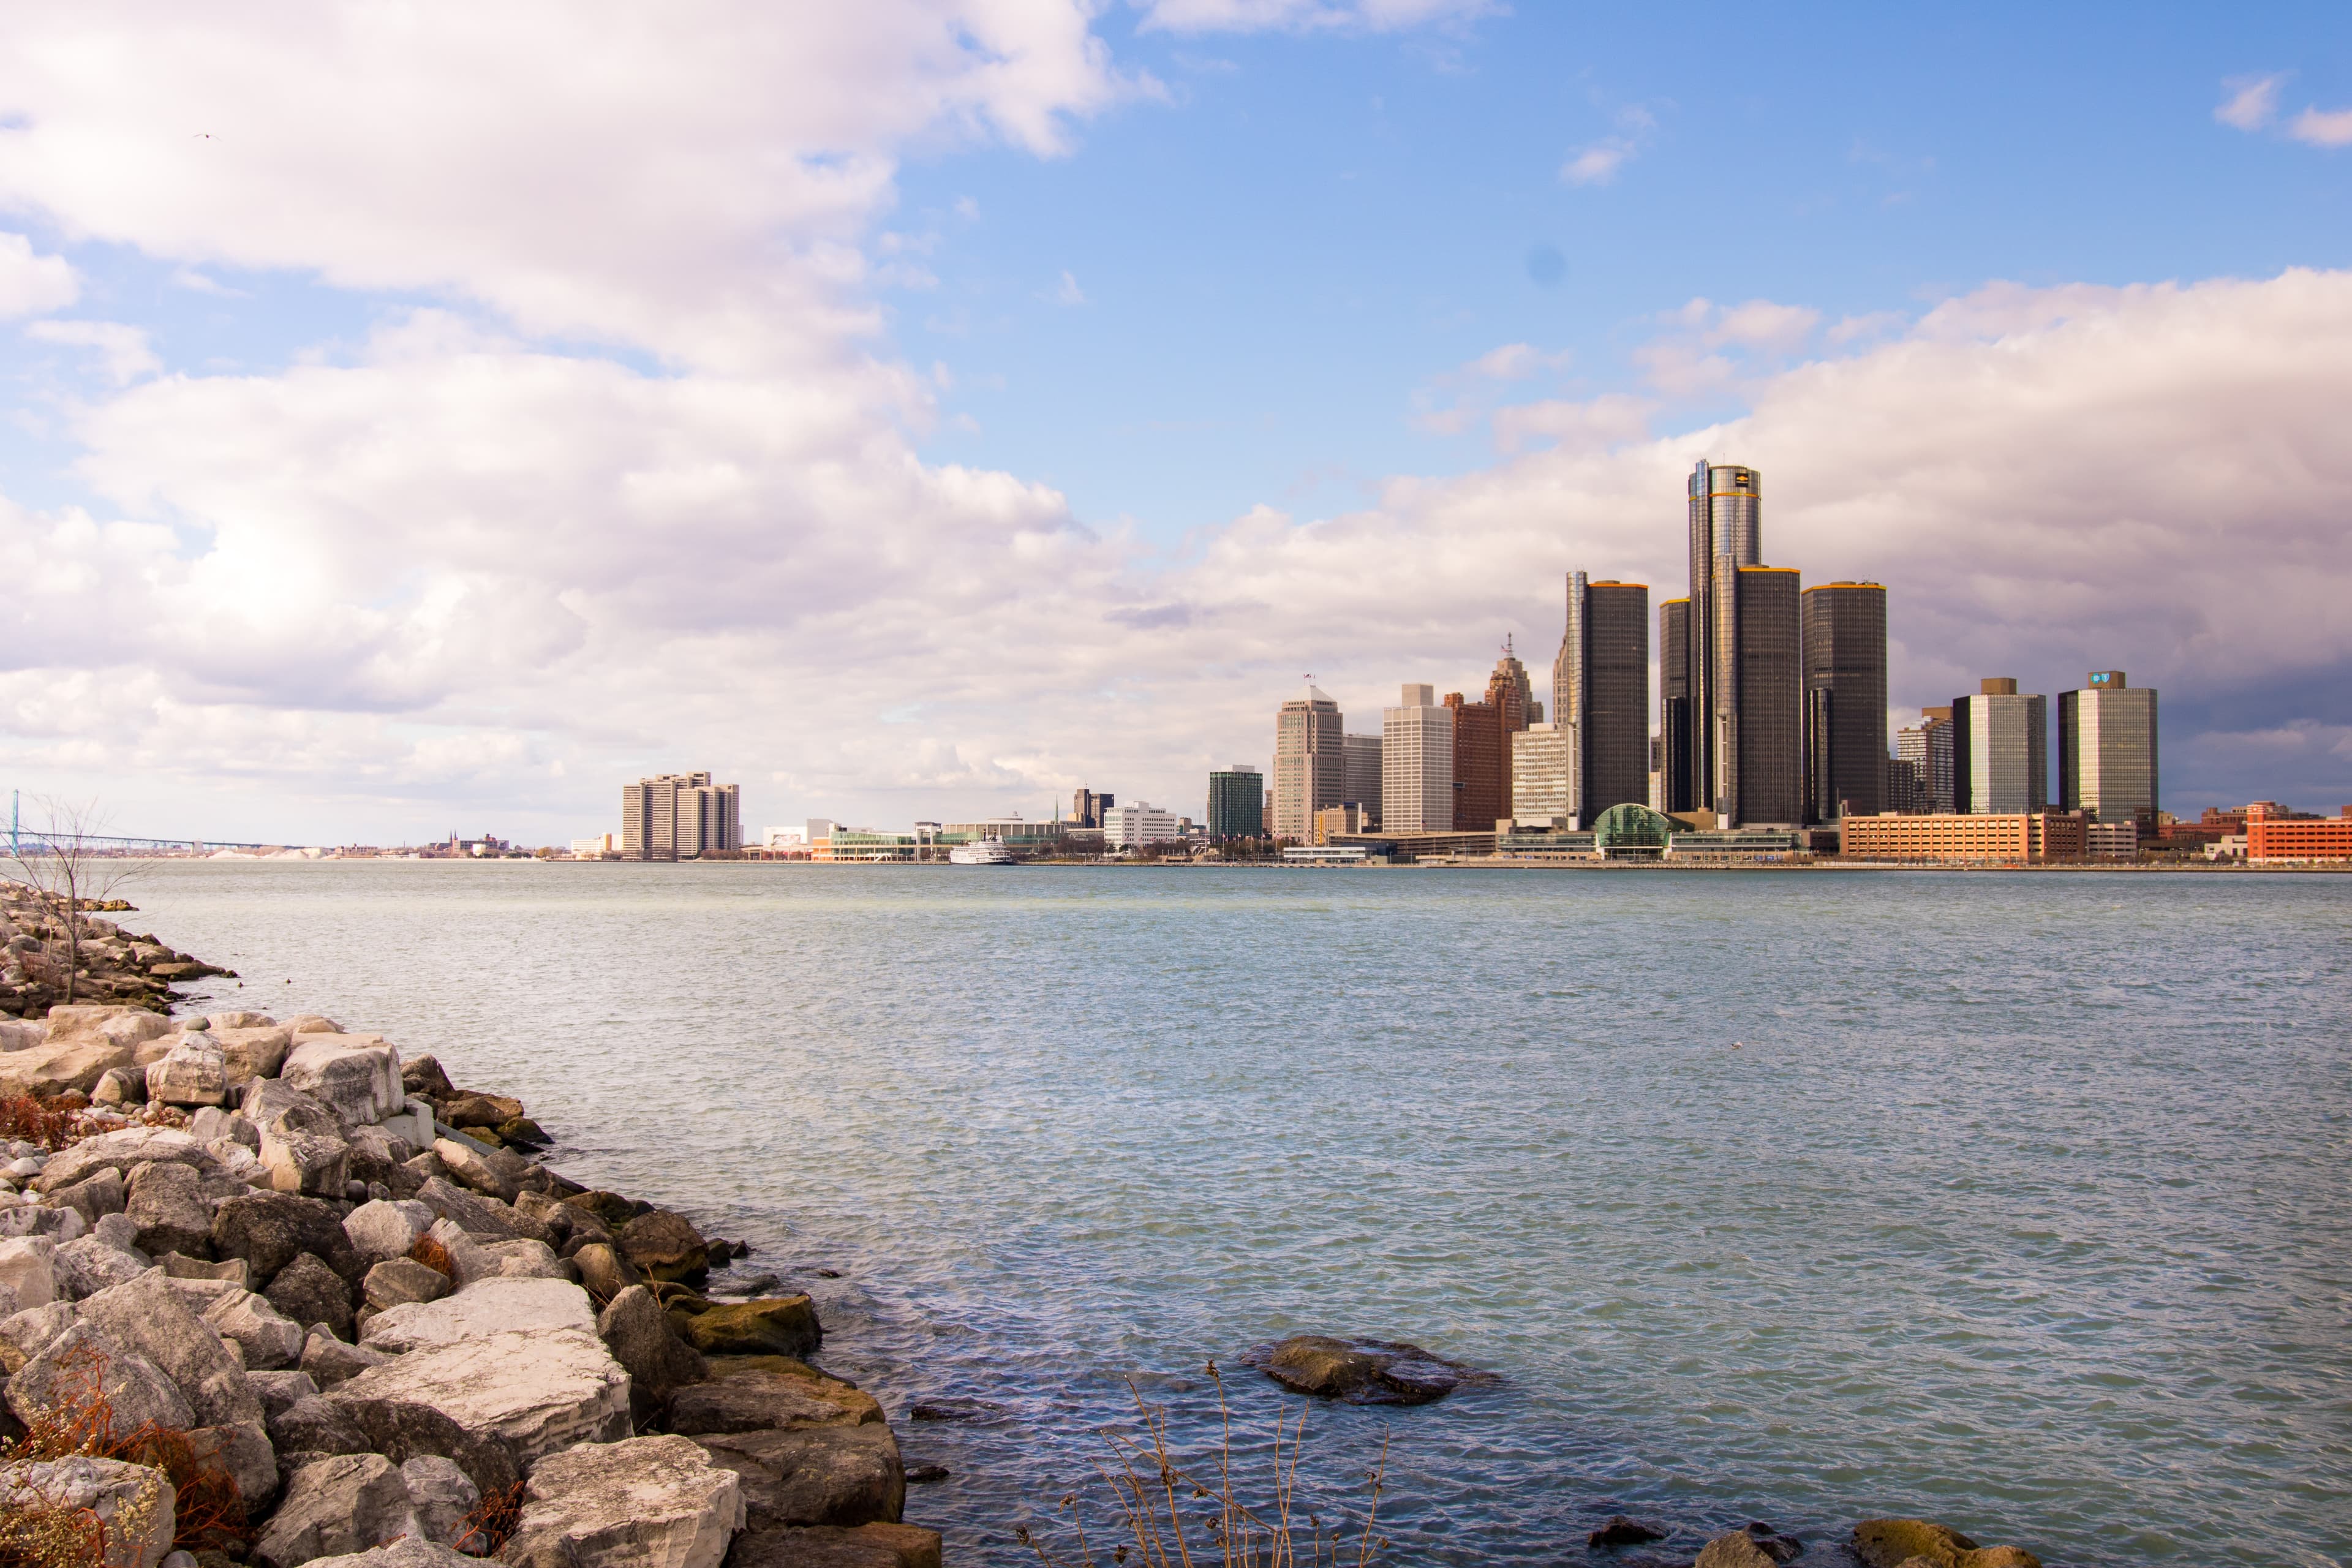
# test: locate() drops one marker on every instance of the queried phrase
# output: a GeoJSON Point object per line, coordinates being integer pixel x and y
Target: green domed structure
{"type": "Point", "coordinates": [1630, 832]}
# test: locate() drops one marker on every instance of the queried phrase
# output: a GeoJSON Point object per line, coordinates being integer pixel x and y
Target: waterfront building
{"type": "Point", "coordinates": [1128, 826]}
{"type": "Point", "coordinates": [1014, 831]}
{"type": "Point", "coordinates": [1601, 695]}
{"type": "Point", "coordinates": [1673, 758]}
{"type": "Point", "coordinates": [1363, 774]}
{"type": "Point", "coordinates": [2106, 749]}
{"type": "Point", "coordinates": [1844, 630]}
{"type": "Point", "coordinates": [1729, 846]}
{"type": "Point", "coordinates": [1311, 764]}
{"type": "Point", "coordinates": [864, 844]}
{"type": "Point", "coordinates": [1543, 778]}
{"type": "Point", "coordinates": [1481, 793]}
{"type": "Point", "coordinates": [1996, 837]}
{"type": "Point", "coordinates": [1237, 803]}
{"type": "Point", "coordinates": [1388, 841]}
{"type": "Point", "coordinates": [596, 848]}
{"type": "Point", "coordinates": [1087, 807]}
{"type": "Point", "coordinates": [1726, 533]}
{"type": "Point", "coordinates": [1417, 763]}
{"type": "Point", "coordinates": [2277, 836]}
{"type": "Point", "coordinates": [1346, 817]}
{"type": "Point", "coordinates": [1757, 736]}
{"type": "Point", "coordinates": [2000, 749]}
{"type": "Point", "coordinates": [678, 816]}
{"type": "Point", "coordinates": [2110, 840]}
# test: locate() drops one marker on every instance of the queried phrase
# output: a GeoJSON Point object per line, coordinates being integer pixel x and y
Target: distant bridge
{"type": "Point", "coordinates": [27, 841]}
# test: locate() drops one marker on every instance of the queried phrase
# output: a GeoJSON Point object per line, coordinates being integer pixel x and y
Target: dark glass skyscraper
{"type": "Point", "coordinates": [1678, 763]}
{"type": "Point", "coordinates": [1600, 694]}
{"type": "Point", "coordinates": [1237, 803]}
{"type": "Point", "coordinates": [1759, 737]}
{"type": "Point", "coordinates": [1844, 629]}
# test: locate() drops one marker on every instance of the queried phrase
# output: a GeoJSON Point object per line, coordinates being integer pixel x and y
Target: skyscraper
{"type": "Point", "coordinates": [1237, 803]}
{"type": "Point", "coordinates": [1919, 778]}
{"type": "Point", "coordinates": [1725, 526]}
{"type": "Point", "coordinates": [1512, 697]}
{"type": "Point", "coordinates": [1845, 629]}
{"type": "Point", "coordinates": [1087, 807]}
{"type": "Point", "coordinates": [1310, 766]}
{"type": "Point", "coordinates": [1601, 695]}
{"type": "Point", "coordinates": [1677, 728]}
{"type": "Point", "coordinates": [1543, 776]}
{"type": "Point", "coordinates": [1481, 785]}
{"type": "Point", "coordinates": [678, 816]}
{"type": "Point", "coordinates": [2106, 749]}
{"type": "Point", "coordinates": [1758, 733]}
{"type": "Point", "coordinates": [2000, 749]}
{"type": "Point", "coordinates": [1417, 763]}
{"type": "Point", "coordinates": [1363, 758]}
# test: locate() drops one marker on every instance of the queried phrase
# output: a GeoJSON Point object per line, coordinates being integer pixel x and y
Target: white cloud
{"type": "Point", "coordinates": [122, 352]}
{"type": "Point", "coordinates": [2252, 103]}
{"type": "Point", "coordinates": [1303, 16]}
{"type": "Point", "coordinates": [2323, 127]}
{"type": "Point", "coordinates": [1598, 163]}
{"type": "Point", "coordinates": [1067, 291]}
{"type": "Point", "coordinates": [31, 285]}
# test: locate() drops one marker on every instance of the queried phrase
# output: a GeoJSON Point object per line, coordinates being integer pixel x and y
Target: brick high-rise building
{"type": "Point", "coordinates": [1417, 763]}
{"type": "Point", "coordinates": [1512, 697]}
{"type": "Point", "coordinates": [1601, 695]}
{"type": "Point", "coordinates": [2106, 750]}
{"type": "Point", "coordinates": [679, 817]}
{"type": "Point", "coordinates": [1311, 763]}
{"type": "Point", "coordinates": [1481, 778]}
{"type": "Point", "coordinates": [1844, 634]}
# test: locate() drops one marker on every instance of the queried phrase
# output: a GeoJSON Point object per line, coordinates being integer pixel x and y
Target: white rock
{"type": "Point", "coordinates": [149, 1315]}
{"type": "Point", "coordinates": [409, 1554]}
{"type": "Point", "coordinates": [84, 1360]}
{"type": "Point", "coordinates": [121, 1151]}
{"type": "Point", "coordinates": [29, 1331]}
{"type": "Point", "coordinates": [357, 1075]}
{"type": "Point", "coordinates": [642, 1501]}
{"type": "Point", "coordinates": [350, 1503]}
{"type": "Point", "coordinates": [251, 1053]}
{"type": "Point", "coordinates": [133, 1502]}
{"type": "Point", "coordinates": [91, 1263]}
{"type": "Point", "coordinates": [496, 1405]}
{"type": "Point", "coordinates": [302, 1143]}
{"type": "Point", "coordinates": [209, 1123]}
{"type": "Point", "coordinates": [440, 1493]}
{"type": "Point", "coordinates": [194, 1072]}
{"type": "Point", "coordinates": [491, 1307]}
{"type": "Point", "coordinates": [387, 1228]}
{"type": "Point", "coordinates": [21, 1036]}
{"type": "Point", "coordinates": [134, 1029]}
{"type": "Point", "coordinates": [29, 1264]}
{"type": "Point", "coordinates": [475, 1169]}
{"type": "Point", "coordinates": [268, 1338]}
{"type": "Point", "coordinates": [59, 1226]}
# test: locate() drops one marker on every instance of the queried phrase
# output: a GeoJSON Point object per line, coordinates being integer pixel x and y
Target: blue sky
{"type": "Point", "coordinates": [439, 415]}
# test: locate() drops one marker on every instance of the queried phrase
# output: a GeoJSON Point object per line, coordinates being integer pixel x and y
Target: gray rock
{"type": "Point", "coordinates": [397, 1281]}
{"type": "Point", "coordinates": [345, 1504]}
{"type": "Point", "coordinates": [165, 1205]}
{"type": "Point", "coordinates": [244, 1451]}
{"type": "Point", "coordinates": [28, 1267]}
{"type": "Point", "coordinates": [192, 1072]}
{"type": "Point", "coordinates": [89, 1264]}
{"type": "Point", "coordinates": [483, 1170]}
{"type": "Point", "coordinates": [133, 1502]}
{"type": "Point", "coordinates": [87, 1360]}
{"type": "Point", "coordinates": [658, 1363]}
{"type": "Point", "coordinates": [495, 1404]}
{"type": "Point", "coordinates": [119, 1151]}
{"type": "Point", "coordinates": [380, 1230]}
{"type": "Point", "coordinates": [25, 1334]}
{"type": "Point", "coordinates": [359, 1075]}
{"type": "Point", "coordinates": [118, 1231]}
{"type": "Point", "coordinates": [120, 1086]}
{"type": "Point", "coordinates": [316, 1426]}
{"type": "Point", "coordinates": [269, 1230]}
{"type": "Point", "coordinates": [234, 1271]}
{"type": "Point", "coordinates": [642, 1500]}
{"type": "Point", "coordinates": [484, 1218]}
{"type": "Point", "coordinates": [267, 1338]}
{"type": "Point", "coordinates": [1362, 1371]}
{"type": "Point", "coordinates": [309, 1292]}
{"type": "Point", "coordinates": [818, 1474]}
{"type": "Point", "coordinates": [210, 1123]}
{"type": "Point", "coordinates": [330, 1361]}
{"type": "Point", "coordinates": [494, 1306]}
{"type": "Point", "coordinates": [149, 1316]}
{"type": "Point", "coordinates": [440, 1493]}
{"type": "Point", "coordinates": [27, 1220]}
{"type": "Point", "coordinates": [409, 1554]}
{"type": "Point", "coordinates": [95, 1197]}
{"type": "Point", "coordinates": [280, 1390]}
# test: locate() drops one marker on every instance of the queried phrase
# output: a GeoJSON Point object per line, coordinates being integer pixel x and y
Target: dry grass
{"type": "Point", "coordinates": [208, 1509]}
{"type": "Point", "coordinates": [46, 1120]}
{"type": "Point", "coordinates": [1171, 1516]}
{"type": "Point", "coordinates": [490, 1524]}
{"type": "Point", "coordinates": [436, 1256]}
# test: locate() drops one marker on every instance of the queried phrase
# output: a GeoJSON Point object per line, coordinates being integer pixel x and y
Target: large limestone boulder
{"type": "Point", "coordinates": [269, 1230]}
{"type": "Point", "coordinates": [344, 1504]}
{"type": "Point", "coordinates": [400, 1283]}
{"type": "Point", "coordinates": [194, 1072]}
{"type": "Point", "coordinates": [312, 1428]}
{"type": "Point", "coordinates": [478, 1216]}
{"type": "Point", "coordinates": [27, 1333]}
{"type": "Point", "coordinates": [132, 1502]}
{"type": "Point", "coordinates": [384, 1228]}
{"type": "Point", "coordinates": [359, 1075]}
{"type": "Point", "coordinates": [302, 1142]}
{"type": "Point", "coordinates": [329, 1362]}
{"type": "Point", "coordinates": [251, 1051]}
{"type": "Point", "coordinates": [20, 1035]}
{"type": "Point", "coordinates": [783, 1325]}
{"type": "Point", "coordinates": [95, 1197]}
{"type": "Point", "coordinates": [309, 1292]}
{"type": "Point", "coordinates": [441, 1495]}
{"type": "Point", "coordinates": [1893, 1542]}
{"type": "Point", "coordinates": [121, 1151]}
{"type": "Point", "coordinates": [640, 1500]}
{"type": "Point", "coordinates": [55, 1065]}
{"type": "Point", "coordinates": [148, 1315]}
{"type": "Point", "coordinates": [86, 1363]}
{"type": "Point", "coordinates": [89, 1264]}
{"type": "Point", "coordinates": [495, 1405]}
{"type": "Point", "coordinates": [166, 1204]}
{"type": "Point", "coordinates": [658, 1363]}
{"type": "Point", "coordinates": [819, 1475]}
{"type": "Point", "coordinates": [825, 1546]}
{"type": "Point", "coordinates": [409, 1554]}
{"type": "Point", "coordinates": [764, 1393]}
{"type": "Point", "coordinates": [494, 1306]}
{"type": "Point", "coordinates": [493, 1173]}
{"type": "Point", "coordinates": [28, 1270]}
{"type": "Point", "coordinates": [267, 1337]}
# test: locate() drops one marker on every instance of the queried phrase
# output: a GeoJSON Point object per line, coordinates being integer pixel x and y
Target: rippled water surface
{"type": "Point", "coordinates": [2016, 1201]}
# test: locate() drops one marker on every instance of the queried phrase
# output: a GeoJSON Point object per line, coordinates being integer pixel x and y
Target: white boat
{"type": "Point", "coordinates": [980, 852]}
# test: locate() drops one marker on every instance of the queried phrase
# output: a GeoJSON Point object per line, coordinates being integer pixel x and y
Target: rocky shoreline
{"type": "Point", "coordinates": [271, 1292]}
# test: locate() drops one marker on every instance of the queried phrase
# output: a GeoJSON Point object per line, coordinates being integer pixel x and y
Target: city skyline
{"type": "Point", "coordinates": [1028, 393]}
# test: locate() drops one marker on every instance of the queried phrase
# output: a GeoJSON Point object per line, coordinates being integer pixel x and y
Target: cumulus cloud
{"type": "Point", "coordinates": [1598, 163]}
{"type": "Point", "coordinates": [122, 352]}
{"type": "Point", "coordinates": [1303, 16]}
{"type": "Point", "coordinates": [2323, 127]}
{"type": "Point", "coordinates": [31, 285]}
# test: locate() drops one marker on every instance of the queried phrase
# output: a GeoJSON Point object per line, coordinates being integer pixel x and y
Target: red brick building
{"type": "Point", "coordinates": [2271, 834]}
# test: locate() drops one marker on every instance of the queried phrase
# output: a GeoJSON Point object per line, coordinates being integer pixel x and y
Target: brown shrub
{"type": "Point", "coordinates": [436, 1256]}
{"type": "Point", "coordinates": [486, 1529]}
{"type": "Point", "coordinates": [47, 1120]}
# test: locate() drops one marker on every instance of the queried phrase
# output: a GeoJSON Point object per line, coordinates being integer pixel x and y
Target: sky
{"type": "Point", "coordinates": [429, 417]}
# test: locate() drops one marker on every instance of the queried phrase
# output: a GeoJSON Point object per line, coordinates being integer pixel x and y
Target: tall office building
{"type": "Point", "coordinates": [1087, 807]}
{"type": "Point", "coordinates": [1417, 763]}
{"type": "Point", "coordinates": [678, 816]}
{"type": "Point", "coordinates": [1759, 743]}
{"type": "Point", "coordinates": [1237, 803]}
{"type": "Point", "coordinates": [1513, 698]}
{"type": "Point", "coordinates": [2106, 749]}
{"type": "Point", "coordinates": [1919, 778]}
{"type": "Point", "coordinates": [1845, 633]}
{"type": "Point", "coordinates": [1676, 762]}
{"type": "Point", "coordinates": [2000, 749]}
{"type": "Point", "coordinates": [1482, 789]}
{"type": "Point", "coordinates": [1363, 760]}
{"type": "Point", "coordinates": [1311, 764]}
{"type": "Point", "coordinates": [1543, 778]}
{"type": "Point", "coordinates": [1601, 695]}
{"type": "Point", "coordinates": [1726, 532]}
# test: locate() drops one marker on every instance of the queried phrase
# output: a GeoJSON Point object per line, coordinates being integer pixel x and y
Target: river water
{"type": "Point", "coordinates": [2015, 1201]}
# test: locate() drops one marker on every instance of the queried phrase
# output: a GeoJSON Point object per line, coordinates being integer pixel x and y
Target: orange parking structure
{"type": "Point", "coordinates": [2272, 837]}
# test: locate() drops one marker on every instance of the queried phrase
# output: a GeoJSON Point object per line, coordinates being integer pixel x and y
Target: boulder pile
{"type": "Point", "coordinates": [109, 964]}
{"type": "Point", "coordinates": [405, 1342]}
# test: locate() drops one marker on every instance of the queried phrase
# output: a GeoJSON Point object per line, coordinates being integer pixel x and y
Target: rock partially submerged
{"type": "Point", "coordinates": [1362, 1371]}
{"type": "Point", "coordinates": [1900, 1543]}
